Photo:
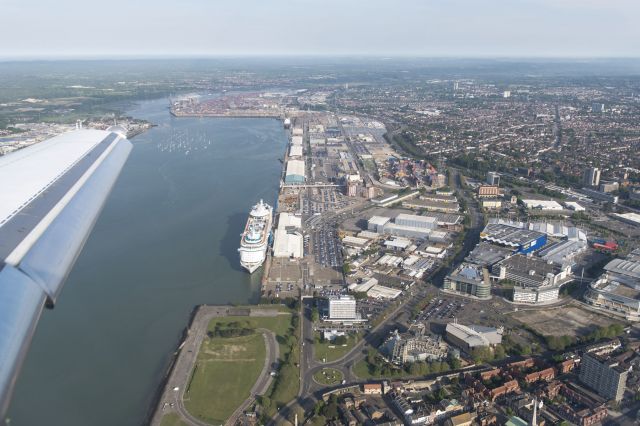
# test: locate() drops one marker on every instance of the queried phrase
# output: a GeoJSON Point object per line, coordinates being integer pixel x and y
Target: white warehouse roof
{"type": "Point", "coordinates": [287, 219]}
{"type": "Point", "coordinates": [287, 244]}
{"type": "Point", "coordinates": [296, 140]}
{"type": "Point", "coordinates": [542, 204]}
{"type": "Point", "coordinates": [295, 151]}
{"type": "Point", "coordinates": [295, 167]}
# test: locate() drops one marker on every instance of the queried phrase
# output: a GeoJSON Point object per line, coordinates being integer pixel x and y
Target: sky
{"type": "Point", "coordinates": [441, 28]}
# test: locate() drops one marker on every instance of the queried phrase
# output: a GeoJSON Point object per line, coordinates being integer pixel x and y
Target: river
{"type": "Point", "coordinates": [166, 241]}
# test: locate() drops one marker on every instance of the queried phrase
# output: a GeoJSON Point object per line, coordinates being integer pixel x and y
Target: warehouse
{"type": "Point", "coordinates": [564, 252]}
{"type": "Point", "coordinates": [356, 242]}
{"type": "Point", "coordinates": [295, 151]}
{"type": "Point", "coordinates": [521, 240]}
{"type": "Point", "coordinates": [288, 237]}
{"type": "Point", "coordinates": [296, 140]}
{"type": "Point", "coordinates": [416, 221]}
{"type": "Point", "coordinates": [542, 205]}
{"type": "Point", "coordinates": [436, 206]}
{"type": "Point", "coordinates": [295, 172]}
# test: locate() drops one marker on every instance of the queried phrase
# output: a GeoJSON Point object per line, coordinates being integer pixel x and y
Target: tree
{"type": "Point", "coordinates": [315, 315]}
{"type": "Point", "coordinates": [340, 340]}
{"type": "Point", "coordinates": [499, 352]}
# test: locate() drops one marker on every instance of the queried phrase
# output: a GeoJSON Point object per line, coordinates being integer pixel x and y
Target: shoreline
{"type": "Point", "coordinates": [155, 412]}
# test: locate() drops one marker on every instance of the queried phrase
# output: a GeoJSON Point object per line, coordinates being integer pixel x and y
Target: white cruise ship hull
{"type": "Point", "coordinates": [255, 238]}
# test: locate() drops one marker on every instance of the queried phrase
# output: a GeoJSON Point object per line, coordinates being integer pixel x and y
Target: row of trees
{"type": "Point", "coordinates": [232, 329]}
{"type": "Point", "coordinates": [559, 343]}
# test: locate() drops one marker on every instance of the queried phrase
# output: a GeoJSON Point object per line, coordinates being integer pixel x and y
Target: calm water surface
{"type": "Point", "coordinates": [166, 241]}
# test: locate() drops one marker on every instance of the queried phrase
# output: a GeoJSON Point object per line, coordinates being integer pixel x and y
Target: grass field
{"type": "Point", "coordinates": [330, 352]}
{"type": "Point", "coordinates": [172, 419]}
{"type": "Point", "coordinates": [227, 368]}
{"type": "Point", "coordinates": [328, 376]}
{"type": "Point", "coordinates": [225, 371]}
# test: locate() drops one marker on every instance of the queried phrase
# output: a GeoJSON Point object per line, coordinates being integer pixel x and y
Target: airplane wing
{"type": "Point", "coordinates": [51, 194]}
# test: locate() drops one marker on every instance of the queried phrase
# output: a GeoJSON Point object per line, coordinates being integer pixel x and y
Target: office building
{"type": "Point", "coordinates": [493, 178]}
{"type": "Point", "coordinates": [469, 280]}
{"type": "Point", "coordinates": [342, 308]}
{"type": "Point", "coordinates": [591, 177]}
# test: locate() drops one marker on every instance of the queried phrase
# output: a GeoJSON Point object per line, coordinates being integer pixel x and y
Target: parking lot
{"type": "Point", "coordinates": [441, 309]}
{"type": "Point", "coordinates": [326, 248]}
{"type": "Point", "coordinates": [371, 308]}
{"type": "Point", "coordinates": [320, 200]}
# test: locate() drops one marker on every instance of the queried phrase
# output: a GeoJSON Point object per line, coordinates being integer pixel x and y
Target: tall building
{"type": "Point", "coordinates": [592, 176]}
{"type": "Point", "coordinates": [604, 375]}
{"type": "Point", "coordinates": [342, 308]}
{"type": "Point", "coordinates": [352, 189]}
{"type": "Point", "coordinates": [493, 178]}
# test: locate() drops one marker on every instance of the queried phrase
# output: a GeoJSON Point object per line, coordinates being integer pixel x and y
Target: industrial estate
{"type": "Point", "coordinates": [451, 251]}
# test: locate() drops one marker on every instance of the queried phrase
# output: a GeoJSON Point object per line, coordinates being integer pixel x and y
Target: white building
{"type": "Point", "coordinates": [295, 151]}
{"type": "Point", "coordinates": [342, 308]}
{"type": "Point", "coordinates": [542, 204]}
{"type": "Point", "coordinates": [288, 237]}
{"type": "Point", "coordinates": [572, 205]}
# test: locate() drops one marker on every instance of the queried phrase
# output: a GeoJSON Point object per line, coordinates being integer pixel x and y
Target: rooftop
{"type": "Point", "coordinates": [509, 235]}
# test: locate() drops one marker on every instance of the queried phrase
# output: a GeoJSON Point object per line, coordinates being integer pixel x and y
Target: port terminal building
{"type": "Point", "coordinates": [295, 172]}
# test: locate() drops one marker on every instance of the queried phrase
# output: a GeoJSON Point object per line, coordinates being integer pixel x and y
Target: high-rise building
{"type": "Point", "coordinates": [493, 178]}
{"type": "Point", "coordinates": [603, 374]}
{"type": "Point", "coordinates": [592, 176]}
{"type": "Point", "coordinates": [352, 189]}
{"type": "Point", "coordinates": [342, 308]}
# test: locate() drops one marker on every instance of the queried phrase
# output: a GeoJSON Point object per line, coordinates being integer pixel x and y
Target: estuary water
{"type": "Point", "coordinates": [166, 241]}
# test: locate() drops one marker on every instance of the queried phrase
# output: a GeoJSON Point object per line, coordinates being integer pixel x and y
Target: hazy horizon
{"type": "Point", "coordinates": [74, 29]}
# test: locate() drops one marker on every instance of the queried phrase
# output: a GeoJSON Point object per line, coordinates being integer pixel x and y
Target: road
{"type": "Point", "coordinates": [172, 399]}
{"type": "Point", "coordinates": [310, 391]}
{"type": "Point", "coordinates": [264, 380]}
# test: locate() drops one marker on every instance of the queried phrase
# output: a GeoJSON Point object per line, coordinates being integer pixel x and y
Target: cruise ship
{"type": "Point", "coordinates": [255, 238]}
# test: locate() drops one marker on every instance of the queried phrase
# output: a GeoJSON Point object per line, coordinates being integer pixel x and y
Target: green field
{"type": "Point", "coordinates": [225, 372]}
{"type": "Point", "coordinates": [330, 352]}
{"type": "Point", "coordinates": [172, 419]}
{"type": "Point", "coordinates": [228, 367]}
{"type": "Point", "coordinates": [328, 376]}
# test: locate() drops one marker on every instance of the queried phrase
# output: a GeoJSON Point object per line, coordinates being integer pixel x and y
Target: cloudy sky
{"type": "Point", "coordinates": [520, 28]}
